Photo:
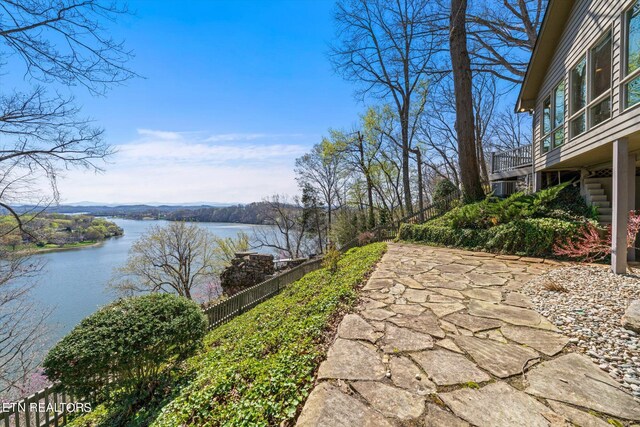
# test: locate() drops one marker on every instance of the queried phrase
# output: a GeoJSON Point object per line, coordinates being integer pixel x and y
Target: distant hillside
{"type": "Point", "coordinates": [253, 213]}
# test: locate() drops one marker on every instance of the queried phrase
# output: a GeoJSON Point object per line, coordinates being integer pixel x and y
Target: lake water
{"type": "Point", "coordinates": [74, 282]}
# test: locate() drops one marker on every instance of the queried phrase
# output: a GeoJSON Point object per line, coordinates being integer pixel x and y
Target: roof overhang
{"type": "Point", "coordinates": [553, 25]}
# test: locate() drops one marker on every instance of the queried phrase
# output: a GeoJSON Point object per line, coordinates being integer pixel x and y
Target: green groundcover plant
{"type": "Point", "coordinates": [258, 369]}
{"type": "Point", "coordinates": [520, 224]}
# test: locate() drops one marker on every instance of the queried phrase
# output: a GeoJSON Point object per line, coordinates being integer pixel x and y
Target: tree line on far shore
{"type": "Point", "coordinates": [55, 230]}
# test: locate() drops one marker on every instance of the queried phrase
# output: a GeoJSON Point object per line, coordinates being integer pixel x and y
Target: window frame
{"type": "Point", "coordinates": [604, 95]}
{"type": "Point", "coordinates": [590, 103]}
{"type": "Point", "coordinates": [552, 118]}
{"type": "Point", "coordinates": [625, 76]}
{"type": "Point", "coordinates": [582, 111]}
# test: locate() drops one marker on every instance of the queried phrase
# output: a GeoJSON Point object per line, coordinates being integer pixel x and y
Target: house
{"type": "Point", "coordinates": [583, 88]}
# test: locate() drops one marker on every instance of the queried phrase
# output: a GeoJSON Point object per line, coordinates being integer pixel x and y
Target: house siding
{"type": "Point", "coordinates": [589, 21]}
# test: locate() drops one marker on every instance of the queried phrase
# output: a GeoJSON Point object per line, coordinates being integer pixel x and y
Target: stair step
{"type": "Point", "coordinates": [602, 204]}
{"type": "Point", "coordinates": [592, 181]}
{"type": "Point", "coordinates": [605, 211]}
{"type": "Point", "coordinates": [593, 185]}
{"type": "Point", "coordinates": [598, 198]}
{"type": "Point", "coordinates": [595, 191]}
{"type": "Point", "coordinates": [604, 219]}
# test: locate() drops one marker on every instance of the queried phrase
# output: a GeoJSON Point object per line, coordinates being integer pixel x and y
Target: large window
{"type": "Point", "coordinates": [546, 124]}
{"type": "Point", "coordinates": [632, 55]}
{"type": "Point", "coordinates": [590, 88]}
{"type": "Point", "coordinates": [558, 115]}
{"type": "Point", "coordinates": [578, 81]}
{"type": "Point", "coordinates": [553, 119]}
{"type": "Point", "coordinates": [600, 95]}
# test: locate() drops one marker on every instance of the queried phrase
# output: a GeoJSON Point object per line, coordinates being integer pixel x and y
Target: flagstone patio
{"type": "Point", "coordinates": [443, 338]}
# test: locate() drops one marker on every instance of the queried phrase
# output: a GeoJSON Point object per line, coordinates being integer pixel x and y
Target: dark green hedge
{"type": "Point", "coordinates": [125, 345]}
{"type": "Point", "coordinates": [531, 236]}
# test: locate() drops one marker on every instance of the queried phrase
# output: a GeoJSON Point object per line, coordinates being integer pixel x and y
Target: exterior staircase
{"type": "Point", "coordinates": [595, 196]}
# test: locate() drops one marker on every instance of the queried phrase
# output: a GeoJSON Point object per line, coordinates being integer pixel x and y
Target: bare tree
{"type": "Point", "coordinates": [58, 44]}
{"type": "Point", "coordinates": [511, 130]}
{"type": "Point", "coordinates": [463, 89]}
{"type": "Point", "coordinates": [323, 170]}
{"type": "Point", "coordinates": [66, 41]}
{"type": "Point", "coordinates": [388, 47]}
{"type": "Point", "coordinates": [485, 98]}
{"type": "Point", "coordinates": [62, 42]}
{"type": "Point", "coordinates": [175, 258]}
{"type": "Point", "coordinates": [504, 34]}
{"type": "Point", "coordinates": [23, 332]}
{"type": "Point", "coordinates": [360, 150]}
{"type": "Point", "coordinates": [289, 233]}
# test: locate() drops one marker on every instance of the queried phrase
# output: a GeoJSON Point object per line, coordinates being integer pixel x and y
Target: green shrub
{"type": "Point", "coordinates": [571, 204]}
{"type": "Point", "coordinates": [442, 235]}
{"type": "Point", "coordinates": [345, 227]}
{"type": "Point", "coordinates": [258, 369]}
{"type": "Point", "coordinates": [560, 201]}
{"type": "Point", "coordinates": [129, 341]}
{"type": "Point", "coordinates": [443, 195]}
{"type": "Point", "coordinates": [444, 189]}
{"type": "Point", "coordinates": [530, 236]}
{"type": "Point", "coordinates": [330, 260]}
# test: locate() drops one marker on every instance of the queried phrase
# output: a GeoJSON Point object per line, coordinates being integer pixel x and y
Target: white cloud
{"type": "Point", "coordinates": [175, 167]}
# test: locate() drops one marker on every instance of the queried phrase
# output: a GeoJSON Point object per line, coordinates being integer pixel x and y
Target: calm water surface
{"type": "Point", "coordinates": [74, 282]}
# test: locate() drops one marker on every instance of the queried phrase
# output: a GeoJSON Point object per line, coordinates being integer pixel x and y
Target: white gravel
{"type": "Point", "coordinates": [590, 313]}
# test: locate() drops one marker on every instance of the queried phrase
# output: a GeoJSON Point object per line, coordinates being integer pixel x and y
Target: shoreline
{"type": "Point", "coordinates": [37, 251]}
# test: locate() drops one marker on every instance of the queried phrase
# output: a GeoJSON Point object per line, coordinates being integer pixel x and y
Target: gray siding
{"type": "Point", "coordinates": [588, 21]}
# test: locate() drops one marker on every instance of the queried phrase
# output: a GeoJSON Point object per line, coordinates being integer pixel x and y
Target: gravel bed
{"type": "Point", "coordinates": [589, 311]}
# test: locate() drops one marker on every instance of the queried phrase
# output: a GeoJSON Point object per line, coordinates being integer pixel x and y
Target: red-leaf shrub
{"type": "Point", "coordinates": [594, 243]}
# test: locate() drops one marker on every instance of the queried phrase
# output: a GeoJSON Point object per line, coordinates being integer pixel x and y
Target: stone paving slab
{"type": "Point", "coordinates": [363, 363]}
{"type": "Point", "coordinates": [546, 342]}
{"type": "Point", "coordinates": [501, 360]}
{"type": "Point", "coordinates": [327, 406]}
{"type": "Point", "coordinates": [574, 379]}
{"type": "Point", "coordinates": [391, 401]}
{"type": "Point", "coordinates": [444, 368]}
{"type": "Point", "coordinates": [442, 338]}
{"type": "Point", "coordinates": [496, 404]}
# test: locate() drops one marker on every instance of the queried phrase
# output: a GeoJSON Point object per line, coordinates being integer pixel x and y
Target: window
{"type": "Point", "coordinates": [546, 125]}
{"type": "Point", "coordinates": [632, 55]}
{"type": "Point", "coordinates": [558, 115]}
{"type": "Point", "coordinates": [600, 96]}
{"type": "Point", "coordinates": [578, 79]}
{"type": "Point", "coordinates": [553, 119]}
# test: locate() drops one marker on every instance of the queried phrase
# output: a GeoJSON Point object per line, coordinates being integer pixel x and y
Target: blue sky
{"type": "Point", "coordinates": [233, 92]}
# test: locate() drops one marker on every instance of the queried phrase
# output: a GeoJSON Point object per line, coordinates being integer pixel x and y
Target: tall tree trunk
{"type": "Point", "coordinates": [420, 184]}
{"type": "Point", "coordinates": [406, 178]}
{"type": "Point", "coordinates": [467, 154]}
{"type": "Point", "coordinates": [371, 220]}
{"type": "Point", "coordinates": [484, 174]}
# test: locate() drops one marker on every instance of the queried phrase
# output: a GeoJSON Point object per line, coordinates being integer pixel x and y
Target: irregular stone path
{"type": "Point", "coordinates": [442, 337]}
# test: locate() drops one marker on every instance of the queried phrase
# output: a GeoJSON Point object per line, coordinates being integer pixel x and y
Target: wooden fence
{"type": "Point", "coordinates": [386, 232]}
{"type": "Point", "coordinates": [47, 407]}
{"type": "Point", "coordinates": [226, 310]}
{"type": "Point", "coordinates": [21, 415]}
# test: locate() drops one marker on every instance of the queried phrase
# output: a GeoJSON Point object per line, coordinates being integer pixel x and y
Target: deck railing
{"type": "Point", "coordinates": [511, 159]}
{"type": "Point", "coordinates": [21, 415]}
